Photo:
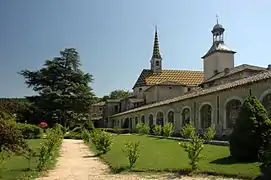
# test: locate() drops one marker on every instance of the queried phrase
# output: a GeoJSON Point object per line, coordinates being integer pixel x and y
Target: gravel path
{"type": "Point", "coordinates": [78, 163]}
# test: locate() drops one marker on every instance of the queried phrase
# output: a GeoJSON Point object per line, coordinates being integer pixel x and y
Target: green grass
{"type": "Point", "coordinates": [16, 167]}
{"type": "Point", "coordinates": [167, 155]}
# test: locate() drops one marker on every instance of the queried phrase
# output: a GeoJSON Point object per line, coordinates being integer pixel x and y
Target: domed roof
{"type": "Point", "coordinates": [217, 26]}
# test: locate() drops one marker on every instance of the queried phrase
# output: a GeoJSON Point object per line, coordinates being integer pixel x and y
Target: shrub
{"type": "Point", "coordinates": [11, 138]}
{"type": "Point", "coordinates": [73, 135]}
{"type": "Point", "coordinates": [251, 132]}
{"type": "Point", "coordinates": [266, 165]}
{"type": "Point", "coordinates": [116, 130]}
{"type": "Point", "coordinates": [132, 152]}
{"type": "Point", "coordinates": [195, 145]}
{"type": "Point", "coordinates": [30, 131]}
{"type": "Point", "coordinates": [142, 128]}
{"type": "Point", "coordinates": [157, 130]}
{"type": "Point", "coordinates": [102, 141]}
{"type": "Point", "coordinates": [50, 146]}
{"type": "Point", "coordinates": [85, 136]}
{"type": "Point", "coordinates": [168, 130]}
{"type": "Point", "coordinates": [209, 134]}
{"type": "Point", "coordinates": [88, 125]}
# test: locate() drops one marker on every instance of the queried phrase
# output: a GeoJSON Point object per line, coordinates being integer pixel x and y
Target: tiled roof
{"type": "Point", "coordinates": [184, 77]}
{"type": "Point", "coordinates": [235, 70]}
{"type": "Point", "coordinates": [248, 80]}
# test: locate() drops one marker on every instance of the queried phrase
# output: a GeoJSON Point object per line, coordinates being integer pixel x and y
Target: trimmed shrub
{"type": "Point", "coordinates": [251, 133]}
{"type": "Point", "coordinates": [157, 130]}
{"type": "Point", "coordinates": [142, 128]}
{"type": "Point", "coordinates": [132, 152]}
{"type": "Point", "coordinates": [195, 145]}
{"type": "Point", "coordinates": [168, 130]}
{"type": "Point", "coordinates": [30, 131]}
{"type": "Point", "coordinates": [116, 130]}
{"type": "Point", "coordinates": [102, 141]}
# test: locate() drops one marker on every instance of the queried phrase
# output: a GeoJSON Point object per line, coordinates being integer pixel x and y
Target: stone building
{"type": "Point", "coordinates": [209, 98]}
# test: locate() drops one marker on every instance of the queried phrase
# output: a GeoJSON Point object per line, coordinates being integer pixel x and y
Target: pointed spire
{"type": "Point", "coordinates": [217, 19]}
{"type": "Point", "coordinates": [156, 52]}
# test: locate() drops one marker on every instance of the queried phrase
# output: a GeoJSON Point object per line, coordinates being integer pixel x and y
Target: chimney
{"type": "Point", "coordinates": [226, 70]}
{"type": "Point", "coordinates": [269, 67]}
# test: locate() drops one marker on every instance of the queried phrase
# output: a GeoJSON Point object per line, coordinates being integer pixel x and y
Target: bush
{"type": "Point", "coordinates": [50, 147]}
{"type": "Point", "coordinates": [132, 152]}
{"type": "Point", "coordinates": [102, 141]}
{"type": "Point", "coordinates": [73, 135]}
{"type": "Point", "coordinates": [251, 132]}
{"type": "Point", "coordinates": [11, 138]}
{"type": "Point", "coordinates": [157, 130]}
{"type": "Point", "coordinates": [142, 128]}
{"type": "Point", "coordinates": [168, 130]}
{"type": "Point", "coordinates": [266, 166]}
{"type": "Point", "coordinates": [30, 131]}
{"type": "Point", "coordinates": [85, 136]}
{"type": "Point", "coordinates": [195, 145]}
{"type": "Point", "coordinates": [88, 125]}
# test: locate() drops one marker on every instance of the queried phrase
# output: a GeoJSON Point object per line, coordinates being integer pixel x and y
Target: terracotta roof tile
{"type": "Point", "coordinates": [251, 79]}
{"type": "Point", "coordinates": [184, 77]}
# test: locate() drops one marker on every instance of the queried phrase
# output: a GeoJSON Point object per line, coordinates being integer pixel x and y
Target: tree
{"type": "Point", "coordinates": [118, 94]}
{"type": "Point", "coordinates": [252, 132]}
{"type": "Point", "coordinates": [63, 89]}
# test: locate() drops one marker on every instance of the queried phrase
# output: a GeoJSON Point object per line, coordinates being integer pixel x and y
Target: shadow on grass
{"type": "Point", "coordinates": [229, 160]}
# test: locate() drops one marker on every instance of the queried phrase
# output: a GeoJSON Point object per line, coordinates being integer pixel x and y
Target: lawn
{"type": "Point", "coordinates": [167, 155]}
{"type": "Point", "coordinates": [17, 166]}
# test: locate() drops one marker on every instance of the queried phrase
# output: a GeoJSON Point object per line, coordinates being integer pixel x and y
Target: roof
{"type": "Point", "coordinates": [251, 79]}
{"type": "Point", "coordinates": [218, 47]}
{"type": "Point", "coordinates": [102, 103]}
{"type": "Point", "coordinates": [184, 77]}
{"type": "Point", "coordinates": [235, 70]}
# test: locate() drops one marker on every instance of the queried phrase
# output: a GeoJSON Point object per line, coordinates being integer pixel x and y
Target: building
{"type": "Point", "coordinates": [209, 98]}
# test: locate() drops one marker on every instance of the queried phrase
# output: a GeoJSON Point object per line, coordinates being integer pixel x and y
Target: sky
{"type": "Point", "coordinates": [115, 37]}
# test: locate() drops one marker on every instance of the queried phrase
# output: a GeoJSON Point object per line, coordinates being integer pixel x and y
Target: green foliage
{"type": "Point", "coordinates": [266, 165]}
{"type": "Point", "coordinates": [118, 94]}
{"type": "Point", "coordinates": [116, 130]}
{"type": "Point", "coordinates": [50, 146]}
{"type": "Point", "coordinates": [132, 152]}
{"type": "Point", "coordinates": [64, 95]}
{"type": "Point", "coordinates": [252, 131]}
{"type": "Point", "coordinates": [209, 133]}
{"type": "Point", "coordinates": [195, 145]}
{"type": "Point", "coordinates": [102, 141]}
{"type": "Point", "coordinates": [168, 130]}
{"type": "Point", "coordinates": [11, 138]}
{"type": "Point", "coordinates": [85, 136]}
{"type": "Point", "coordinates": [30, 131]}
{"type": "Point", "coordinates": [142, 128]}
{"type": "Point", "coordinates": [157, 130]}
{"type": "Point", "coordinates": [73, 135]}
{"type": "Point", "coordinates": [88, 125]}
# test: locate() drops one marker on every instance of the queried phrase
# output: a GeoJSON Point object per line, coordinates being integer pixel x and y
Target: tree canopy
{"type": "Point", "coordinates": [63, 89]}
{"type": "Point", "coordinates": [118, 94]}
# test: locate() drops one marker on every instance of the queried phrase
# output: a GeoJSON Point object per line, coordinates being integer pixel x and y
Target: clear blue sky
{"type": "Point", "coordinates": [115, 37]}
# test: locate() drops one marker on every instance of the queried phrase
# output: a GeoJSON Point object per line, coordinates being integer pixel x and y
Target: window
{"type": "Point", "coordinates": [157, 63]}
{"type": "Point", "coordinates": [116, 108]}
{"type": "Point", "coordinates": [140, 89]}
{"type": "Point", "coordinates": [188, 89]}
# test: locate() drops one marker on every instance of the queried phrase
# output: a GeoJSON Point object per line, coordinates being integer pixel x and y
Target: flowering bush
{"type": "Point", "coordinates": [43, 125]}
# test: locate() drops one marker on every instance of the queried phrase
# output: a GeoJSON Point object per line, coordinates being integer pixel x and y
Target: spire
{"type": "Point", "coordinates": [217, 19]}
{"type": "Point", "coordinates": [156, 52]}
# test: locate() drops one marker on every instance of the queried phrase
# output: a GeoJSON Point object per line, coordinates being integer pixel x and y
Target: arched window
{"type": "Point", "coordinates": [170, 117]}
{"type": "Point", "coordinates": [126, 123]}
{"type": "Point", "coordinates": [206, 116]}
{"type": "Point", "coordinates": [143, 119]}
{"type": "Point", "coordinates": [233, 108]}
{"type": "Point", "coordinates": [157, 63]}
{"type": "Point", "coordinates": [267, 104]}
{"type": "Point", "coordinates": [136, 120]}
{"type": "Point", "coordinates": [151, 121]}
{"type": "Point", "coordinates": [160, 119]}
{"type": "Point", "coordinates": [186, 116]}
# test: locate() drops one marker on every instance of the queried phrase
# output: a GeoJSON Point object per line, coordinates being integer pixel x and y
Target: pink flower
{"type": "Point", "coordinates": [43, 124]}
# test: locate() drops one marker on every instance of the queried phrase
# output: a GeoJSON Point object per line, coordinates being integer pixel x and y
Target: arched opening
{"type": "Point", "coordinates": [143, 119]}
{"type": "Point", "coordinates": [233, 108]}
{"type": "Point", "coordinates": [151, 121]}
{"type": "Point", "coordinates": [125, 124]}
{"type": "Point", "coordinates": [136, 120]}
{"type": "Point", "coordinates": [186, 116]}
{"type": "Point", "coordinates": [170, 117]}
{"type": "Point", "coordinates": [160, 118]}
{"type": "Point", "coordinates": [206, 116]}
{"type": "Point", "coordinates": [267, 103]}
{"type": "Point", "coordinates": [130, 123]}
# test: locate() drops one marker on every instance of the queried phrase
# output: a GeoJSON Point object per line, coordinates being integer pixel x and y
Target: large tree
{"type": "Point", "coordinates": [63, 89]}
{"type": "Point", "coordinates": [118, 94]}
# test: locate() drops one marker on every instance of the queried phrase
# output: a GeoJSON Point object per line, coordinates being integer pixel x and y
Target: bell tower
{"type": "Point", "coordinates": [156, 60]}
{"type": "Point", "coordinates": [219, 57]}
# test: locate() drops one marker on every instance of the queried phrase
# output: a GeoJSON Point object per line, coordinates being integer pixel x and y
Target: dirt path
{"type": "Point", "coordinates": [78, 163]}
